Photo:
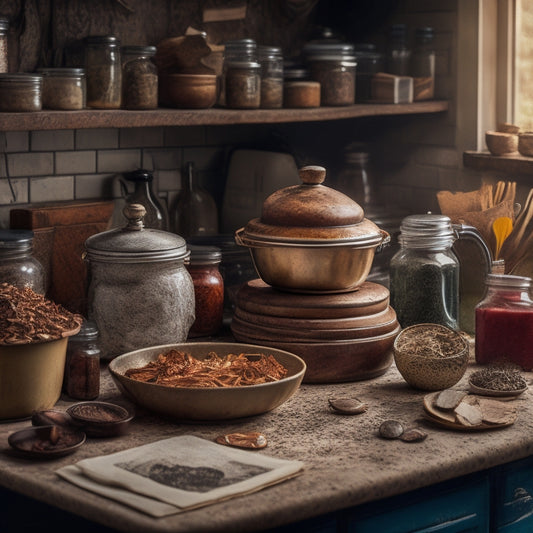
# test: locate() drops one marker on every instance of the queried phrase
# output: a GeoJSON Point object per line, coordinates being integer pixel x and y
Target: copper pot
{"type": "Point", "coordinates": [311, 238]}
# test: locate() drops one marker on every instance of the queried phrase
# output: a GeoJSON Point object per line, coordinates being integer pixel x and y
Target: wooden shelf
{"type": "Point", "coordinates": [94, 118]}
{"type": "Point", "coordinates": [510, 164]}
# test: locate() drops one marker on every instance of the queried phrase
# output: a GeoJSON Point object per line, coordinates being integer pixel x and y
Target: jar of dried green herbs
{"type": "Point", "coordinates": [424, 273]}
{"type": "Point", "coordinates": [104, 72]}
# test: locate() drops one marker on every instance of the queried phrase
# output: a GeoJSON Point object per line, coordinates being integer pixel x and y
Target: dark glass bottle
{"type": "Point", "coordinates": [196, 212]}
{"type": "Point", "coordinates": [156, 215]}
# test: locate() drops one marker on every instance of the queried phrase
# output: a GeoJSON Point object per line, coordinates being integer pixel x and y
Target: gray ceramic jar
{"type": "Point", "coordinates": [139, 291]}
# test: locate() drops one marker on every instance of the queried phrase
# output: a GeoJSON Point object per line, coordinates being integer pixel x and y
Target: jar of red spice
{"type": "Point", "coordinates": [504, 322]}
{"type": "Point", "coordinates": [208, 284]}
{"type": "Point", "coordinates": [82, 365]}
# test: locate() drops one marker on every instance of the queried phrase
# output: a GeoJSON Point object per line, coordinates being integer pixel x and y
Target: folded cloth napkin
{"type": "Point", "coordinates": [177, 474]}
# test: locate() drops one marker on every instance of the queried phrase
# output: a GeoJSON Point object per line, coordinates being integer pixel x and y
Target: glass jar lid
{"type": "Point", "coordinates": [16, 239]}
{"type": "Point", "coordinates": [243, 65]}
{"type": "Point", "coordinates": [62, 72]}
{"type": "Point", "coordinates": [21, 78]}
{"type": "Point", "coordinates": [88, 332]}
{"type": "Point", "coordinates": [134, 243]}
{"type": "Point", "coordinates": [507, 281]}
{"type": "Point", "coordinates": [4, 24]}
{"type": "Point", "coordinates": [312, 213]}
{"type": "Point", "coordinates": [427, 230]}
{"type": "Point", "coordinates": [138, 50]}
{"type": "Point", "coordinates": [204, 255]}
{"type": "Point", "coordinates": [108, 40]}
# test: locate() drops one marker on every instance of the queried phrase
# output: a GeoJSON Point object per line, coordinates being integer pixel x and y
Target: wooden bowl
{"type": "Point", "coordinates": [500, 143]}
{"type": "Point", "coordinates": [525, 143]}
{"type": "Point", "coordinates": [188, 91]}
{"type": "Point", "coordinates": [506, 127]}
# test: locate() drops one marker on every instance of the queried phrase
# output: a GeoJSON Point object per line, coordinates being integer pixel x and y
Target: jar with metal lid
{"type": "Point", "coordinates": [243, 85]}
{"type": "Point", "coordinates": [21, 92]}
{"type": "Point", "coordinates": [4, 57]}
{"type": "Point", "coordinates": [63, 88]}
{"type": "Point", "coordinates": [81, 379]}
{"type": "Point", "coordinates": [504, 322]}
{"type": "Point", "coordinates": [235, 50]}
{"type": "Point", "coordinates": [18, 265]}
{"type": "Point", "coordinates": [139, 77]}
{"type": "Point", "coordinates": [334, 67]}
{"type": "Point", "coordinates": [423, 64]}
{"type": "Point", "coordinates": [104, 71]}
{"type": "Point", "coordinates": [271, 60]}
{"type": "Point", "coordinates": [140, 293]}
{"type": "Point", "coordinates": [203, 266]}
{"type": "Point", "coordinates": [424, 273]}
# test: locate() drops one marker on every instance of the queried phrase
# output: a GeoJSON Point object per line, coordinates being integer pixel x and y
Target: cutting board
{"type": "Point", "coordinates": [61, 229]}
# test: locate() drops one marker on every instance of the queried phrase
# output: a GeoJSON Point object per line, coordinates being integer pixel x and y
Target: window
{"type": "Point", "coordinates": [523, 64]}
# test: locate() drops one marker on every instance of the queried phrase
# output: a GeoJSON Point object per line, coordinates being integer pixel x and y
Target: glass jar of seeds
{"type": "Point", "coordinates": [139, 77]}
{"type": "Point", "coordinates": [271, 60]}
{"type": "Point", "coordinates": [18, 266]}
{"type": "Point", "coordinates": [424, 273]}
{"type": "Point", "coordinates": [334, 67]}
{"type": "Point", "coordinates": [243, 85]}
{"type": "Point", "coordinates": [21, 92]}
{"type": "Point", "coordinates": [63, 88]}
{"type": "Point", "coordinates": [235, 50]}
{"type": "Point", "coordinates": [104, 72]}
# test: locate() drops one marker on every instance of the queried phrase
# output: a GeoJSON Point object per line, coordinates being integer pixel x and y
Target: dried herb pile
{"type": "Point", "coordinates": [498, 378]}
{"type": "Point", "coordinates": [26, 317]}
{"type": "Point", "coordinates": [431, 341]}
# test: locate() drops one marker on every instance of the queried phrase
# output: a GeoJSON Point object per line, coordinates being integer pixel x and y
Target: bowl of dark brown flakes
{"type": "Point", "coordinates": [498, 380]}
{"type": "Point", "coordinates": [101, 419]}
{"type": "Point", "coordinates": [34, 333]}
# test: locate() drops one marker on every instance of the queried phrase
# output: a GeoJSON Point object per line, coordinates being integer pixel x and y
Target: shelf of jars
{"type": "Point", "coordinates": [118, 118]}
{"type": "Point", "coordinates": [511, 164]}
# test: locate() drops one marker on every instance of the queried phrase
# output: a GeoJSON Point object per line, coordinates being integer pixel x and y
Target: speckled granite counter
{"type": "Point", "coordinates": [346, 462]}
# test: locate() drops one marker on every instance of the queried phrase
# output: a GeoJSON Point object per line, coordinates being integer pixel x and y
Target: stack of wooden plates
{"type": "Point", "coordinates": [341, 337]}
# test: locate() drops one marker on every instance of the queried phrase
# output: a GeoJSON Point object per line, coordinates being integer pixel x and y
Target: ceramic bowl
{"type": "Point", "coordinates": [501, 143]}
{"type": "Point", "coordinates": [209, 403]}
{"type": "Point", "coordinates": [100, 419]}
{"type": "Point", "coordinates": [525, 143]}
{"type": "Point", "coordinates": [430, 372]}
{"type": "Point", "coordinates": [31, 376]}
{"type": "Point", "coordinates": [189, 91]}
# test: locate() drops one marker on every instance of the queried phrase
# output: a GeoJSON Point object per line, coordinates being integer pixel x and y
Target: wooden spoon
{"type": "Point", "coordinates": [502, 228]}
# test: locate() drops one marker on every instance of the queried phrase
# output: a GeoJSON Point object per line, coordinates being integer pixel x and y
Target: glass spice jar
{"type": "Point", "coordinates": [504, 322]}
{"type": "Point", "coordinates": [423, 65]}
{"type": "Point", "coordinates": [271, 60]}
{"type": "Point", "coordinates": [139, 77]}
{"type": "Point", "coordinates": [369, 62]}
{"type": "Point", "coordinates": [424, 273]}
{"type": "Point", "coordinates": [4, 58]}
{"type": "Point", "coordinates": [334, 67]}
{"type": "Point", "coordinates": [235, 50]}
{"type": "Point", "coordinates": [104, 72]}
{"type": "Point", "coordinates": [398, 55]}
{"type": "Point", "coordinates": [18, 266]}
{"type": "Point", "coordinates": [208, 283]}
{"type": "Point", "coordinates": [21, 92]}
{"type": "Point", "coordinates": [81, 379]}
{"type": "Point", "coordinates": [63, 88]}
{"type": "Point", "coordinates": [243, 85]}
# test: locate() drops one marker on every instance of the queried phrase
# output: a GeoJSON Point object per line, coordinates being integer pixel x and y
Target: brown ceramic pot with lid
{"type": "Point", "coordinates": [311, 238]}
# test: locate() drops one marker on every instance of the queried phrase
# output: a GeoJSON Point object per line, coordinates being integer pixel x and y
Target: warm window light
{"type": "Point", "coordinates": [524, 65]}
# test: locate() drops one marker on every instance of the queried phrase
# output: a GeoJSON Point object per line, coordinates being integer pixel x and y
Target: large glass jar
{"type": "Point", "coordinates": [63, 88]}
{"type": "Point", "coordinates": [21, 92]}
{"type": "Point", "coordinates": [504, 322]}
{"type": "Point", "coordinates": [81, 379]}
{"type": "Point", "coordinates": [271, 60]}
{"type": "Point", "coordinates": [424, 273]}
{"type": "Point", "coordinates": [139, 77]}
{"type": "Point", "coordinates": [235, 50]}
{"type": "Point", "coordinates": [104, 72]}
{"type": "Point", "coordinates": [334, 67]}
{"type": "Point", "coordinates": [203, 266]}
{"type": "Point", "coordinates": [18, 266]}
{"type": "Point", "coordinates": [140, 293]}
{"type": "Point", "coordinates": [243, 85]}
{"type": "Point", "coordinates": [4, 58]}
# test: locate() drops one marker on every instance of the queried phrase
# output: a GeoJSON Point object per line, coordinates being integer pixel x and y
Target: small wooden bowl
{"type": "Point", "coordinates": [525, 143]}
{"type": "Point", "coordinates": [506, 127]}
{"type": "Point", "coordinates": [500, 143]}
{"type": "Point", "coordinates": [188, 91]}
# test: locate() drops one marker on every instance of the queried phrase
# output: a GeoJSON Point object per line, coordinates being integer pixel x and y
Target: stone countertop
{"type": "Point", "coordinates": [346, 462]}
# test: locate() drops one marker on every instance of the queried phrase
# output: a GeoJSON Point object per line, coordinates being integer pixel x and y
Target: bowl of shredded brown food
{"type": "Point", "coordinates": [208, 380]}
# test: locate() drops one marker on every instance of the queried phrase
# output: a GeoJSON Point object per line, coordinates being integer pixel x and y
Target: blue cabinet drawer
{"type": "Point", "coordinates": [458, 506]}
{"type": "Point", "coordinates": [513, 497]}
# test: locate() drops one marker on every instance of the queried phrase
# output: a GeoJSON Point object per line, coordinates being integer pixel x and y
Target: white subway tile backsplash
{"type": "Point", "coordinates": [204, 157]}
{"type": "Point", "coordinates": [118, 160]}
{"type": "Point", "coordinates": [51, 189]}
{"type": "Point", "coordinates": [31, 164]}
{"type": "Point", "coordinates": [162, 158]}
{"type": "Point", "coordinates": [93, 186]}
{"type": "Point", "coordinates": [185, 135]}
{"type": "Point", "coordinates": [43, 141]}
{"type": "Point", "coordinates": [19, 194]}
{"type": "Point", "coordinates": [140, 137]}
{"type": "Point", "coordinates": [94, 139]}
{"type": "Point", "coordinates": [76, 162]}
{"type": "Point", "coordinates": [16, 141]}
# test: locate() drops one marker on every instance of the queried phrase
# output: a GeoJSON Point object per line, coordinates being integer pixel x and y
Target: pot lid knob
{"type": "Point", "coordinates": [312, 175]}
{"type": "Point", "coordinates": [134, 213]}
